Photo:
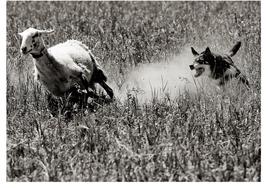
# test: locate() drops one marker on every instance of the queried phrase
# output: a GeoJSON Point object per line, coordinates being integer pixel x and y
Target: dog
{"type": "Point", "coordinates": [218, 67]}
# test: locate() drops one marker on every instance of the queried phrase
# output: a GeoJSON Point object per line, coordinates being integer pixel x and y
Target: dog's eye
{"type": "Point", "coordinates": [201, 59]}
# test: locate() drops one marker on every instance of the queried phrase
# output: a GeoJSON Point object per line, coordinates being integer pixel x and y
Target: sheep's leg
{"type": "Point", "coordinates": [107, 89]}
{"type": "Point", "coordinates": [75, 100]}
{"type": "Point", "coordinates": [92, 86]}
{"type": "Point", "coordinates": [53, 104]}
{"type": "Point", "coordinates": [86, 85]}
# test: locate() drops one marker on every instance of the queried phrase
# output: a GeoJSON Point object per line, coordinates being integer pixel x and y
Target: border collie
{"type": "Point", "coordinates": [218, 67]}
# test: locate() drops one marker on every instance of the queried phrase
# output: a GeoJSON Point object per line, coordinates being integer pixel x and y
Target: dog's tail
{"type": "Point", "coordinates": [236, 47]}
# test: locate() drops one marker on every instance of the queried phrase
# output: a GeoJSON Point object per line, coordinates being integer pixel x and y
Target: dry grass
{"type": "Point", "coordinates": [211, 136]}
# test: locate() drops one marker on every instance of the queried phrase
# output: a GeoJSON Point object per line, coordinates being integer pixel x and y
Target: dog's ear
{"type": "Point", "coordinates": [235, 49]}
{"type": "Point", "coordinates": [207, 51]}
{"type": "Point", "coordinates": [195, 53]}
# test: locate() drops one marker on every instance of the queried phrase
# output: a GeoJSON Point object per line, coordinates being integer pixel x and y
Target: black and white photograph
{"type": "Point", "coordinates": [133, 91]}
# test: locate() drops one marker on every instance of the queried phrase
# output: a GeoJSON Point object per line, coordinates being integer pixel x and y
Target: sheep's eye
{"type": "Point", "coordinates": [35, 35]}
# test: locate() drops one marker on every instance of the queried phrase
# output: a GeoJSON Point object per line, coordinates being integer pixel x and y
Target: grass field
{"type": "Point", "coordinates": [209, 135]}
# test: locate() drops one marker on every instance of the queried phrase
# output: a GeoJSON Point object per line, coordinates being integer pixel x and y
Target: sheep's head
{"type": "Point", "coordinates": [31, 41]}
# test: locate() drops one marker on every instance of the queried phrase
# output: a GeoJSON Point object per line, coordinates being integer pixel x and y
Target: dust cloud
{"type": "Point", "coordinates": [158, 80]}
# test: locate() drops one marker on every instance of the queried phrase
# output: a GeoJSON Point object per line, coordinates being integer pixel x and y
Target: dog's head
{"type": "Point", "coordinates": [202, 62]}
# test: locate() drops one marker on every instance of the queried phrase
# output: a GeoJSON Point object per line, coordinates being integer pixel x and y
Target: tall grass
{"type": "Point", "coordinates": [209, 136]}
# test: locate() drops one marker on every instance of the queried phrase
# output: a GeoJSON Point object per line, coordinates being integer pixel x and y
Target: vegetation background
{"type": "Point", "coordinates": [209, 136]}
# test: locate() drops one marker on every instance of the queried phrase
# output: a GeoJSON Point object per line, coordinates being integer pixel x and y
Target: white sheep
{"type": "Point", "coordinates": [62, 66]}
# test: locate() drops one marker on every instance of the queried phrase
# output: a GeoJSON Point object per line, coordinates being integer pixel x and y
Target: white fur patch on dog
{"type": "Point", "coordinates": [207, 70]}
{"type": "Point", "coordinates": [231, 71]}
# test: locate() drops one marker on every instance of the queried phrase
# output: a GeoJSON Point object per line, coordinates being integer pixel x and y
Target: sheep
{"type": "Point", "coordinates": [63, 66]}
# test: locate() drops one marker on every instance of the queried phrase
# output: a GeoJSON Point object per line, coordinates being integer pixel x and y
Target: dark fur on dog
{"type": "Point", "coordinates": [220, 67]}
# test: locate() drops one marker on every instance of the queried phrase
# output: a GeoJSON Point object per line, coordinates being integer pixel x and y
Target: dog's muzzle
{"type": "Point", "coordinates": [191, 67]}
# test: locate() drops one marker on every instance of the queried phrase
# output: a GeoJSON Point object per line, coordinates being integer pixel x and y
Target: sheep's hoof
{"type": "Point", "coordinates": [89, 100]}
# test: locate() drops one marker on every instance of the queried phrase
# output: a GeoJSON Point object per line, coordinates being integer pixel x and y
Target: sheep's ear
{"type": "Point", "coordinates": [207, 51]}
{"type": "Point", "coordinates": [195, 53]}
{"type": "Point", "coordinates": [45, 31]}
{"type": "Point", "coordinates": [20, 34]}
